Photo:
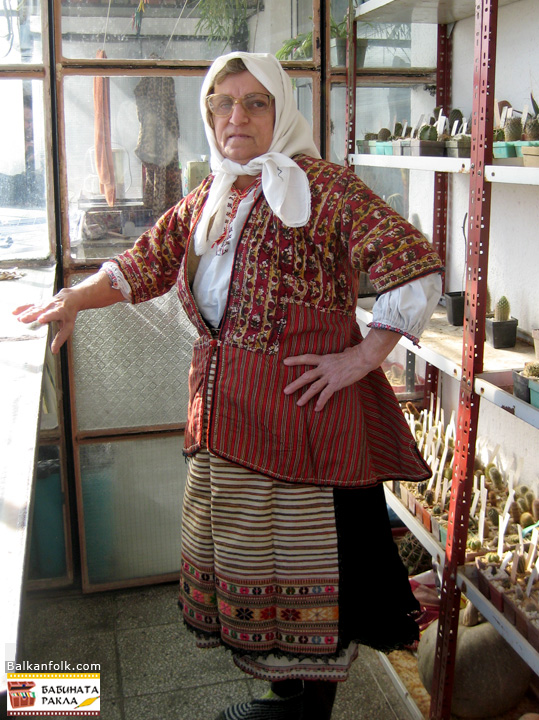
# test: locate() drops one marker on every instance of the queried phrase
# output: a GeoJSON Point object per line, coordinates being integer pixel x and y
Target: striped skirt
{"type": "Point", "coordinates": [290, 578]}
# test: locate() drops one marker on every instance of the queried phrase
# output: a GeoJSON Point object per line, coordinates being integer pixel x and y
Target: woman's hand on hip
{"type": "Point", "coordinates": [327, 374]}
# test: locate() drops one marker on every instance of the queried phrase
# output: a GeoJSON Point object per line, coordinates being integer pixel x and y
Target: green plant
{"type": "Point", "coordinates": [502, 310]}
{"type": "Point", "coordinates": [384, 134]}
{"type": "Point", "coordinates": [531, 128]}
{"type": "Point", "coordinates": [300, 47]}
{"type": "Point", "coordinates": [225, 21]}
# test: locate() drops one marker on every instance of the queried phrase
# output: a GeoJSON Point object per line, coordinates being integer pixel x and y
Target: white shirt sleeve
{"type": "Point", "coordinates": [117, 279]}
{"type": "Point", "coordinates": [408, 308]}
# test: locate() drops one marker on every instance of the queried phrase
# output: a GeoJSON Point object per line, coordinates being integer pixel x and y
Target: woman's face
{"type": "Point", "coordinates": [242, 137]}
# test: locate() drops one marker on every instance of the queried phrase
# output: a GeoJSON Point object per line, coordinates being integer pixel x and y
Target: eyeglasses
{"type": "Point", "coordinates": [253, 104]}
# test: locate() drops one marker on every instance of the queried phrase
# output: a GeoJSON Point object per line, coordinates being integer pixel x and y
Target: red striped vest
{"type": "Point", "coordinates": [292, 291]}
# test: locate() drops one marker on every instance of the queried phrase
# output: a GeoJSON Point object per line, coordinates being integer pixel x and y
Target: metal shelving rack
{"type": "Point", "coordinates": [475, 383]}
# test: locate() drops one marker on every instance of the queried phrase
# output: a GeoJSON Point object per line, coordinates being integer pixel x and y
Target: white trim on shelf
{"type": "Point", "coordinates": [513, 174]}
{"type": "Point", "coordinates": [411, 162]}
{"type": "Point", "coordinates": [441, 346]}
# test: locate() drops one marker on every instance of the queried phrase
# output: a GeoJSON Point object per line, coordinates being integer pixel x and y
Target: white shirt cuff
{"type": "Point", "coordinates": [117, 279]}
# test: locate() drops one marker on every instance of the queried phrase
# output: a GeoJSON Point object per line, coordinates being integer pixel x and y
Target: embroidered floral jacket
{"type": "Point", "coordinates": [292, 291]}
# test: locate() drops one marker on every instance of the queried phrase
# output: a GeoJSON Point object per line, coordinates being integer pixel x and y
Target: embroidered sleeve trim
{"type": "Point", "coordinates": [117, 279]}
{"type": "Point", "coordinates": [383, 326]}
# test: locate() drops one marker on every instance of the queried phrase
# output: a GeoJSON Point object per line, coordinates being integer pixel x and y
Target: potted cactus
{"type": "Point", "coordinates": [531, 372]}
{"type": "Point", "coordinates": [501, 329]}
{"type": "Point", "coordinates": [384, 146]}
{"type": "Point", "coordinates": [427, 142]}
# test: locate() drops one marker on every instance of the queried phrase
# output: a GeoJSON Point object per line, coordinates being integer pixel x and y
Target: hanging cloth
{"type": "Point", "coordinates": [157, 146]}
{"type": "Point", "coordinates": [102, 136]}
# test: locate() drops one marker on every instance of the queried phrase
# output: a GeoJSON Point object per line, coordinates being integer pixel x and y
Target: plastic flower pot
{"type": "Point", "coordinates": [501, 333]}
{"type": "Point", "coordinates": [454, 304]}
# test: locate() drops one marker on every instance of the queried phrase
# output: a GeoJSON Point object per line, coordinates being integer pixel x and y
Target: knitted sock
{"type": "Point", "coordinates": [266, 708]}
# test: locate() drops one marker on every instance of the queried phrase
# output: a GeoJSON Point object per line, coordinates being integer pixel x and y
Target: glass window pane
{"type": "Point", "coordinates": [48, 537]}
{"type": "Point", "coordinates": [155, 132]}
{"type": "Point", "coordinates": [20, 32]}
{"type": "Point", "coordinates": [376, 108]}
{"type": "Point", "coordinates": [132, 365]}
{"type": "Point", "coordinates": [23, 219]}
{"type": "Point", "coordinates": [181, 30]}
{"type": "Point", "coordinates": [132, 507]}
{"type": "Point", "coordinates": [396, 45]}
{"type": "Point", "coordinates": [408, 192]}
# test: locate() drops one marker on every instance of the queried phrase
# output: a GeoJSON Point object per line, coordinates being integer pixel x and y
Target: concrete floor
{"type": "Point", "coordinates": [151, 669]}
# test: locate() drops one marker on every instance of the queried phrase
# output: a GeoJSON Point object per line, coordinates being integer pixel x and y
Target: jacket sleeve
{"type": "Point", "coordinates": [151, 266]}
{"type": "Point", "coordinates": [381, 242]}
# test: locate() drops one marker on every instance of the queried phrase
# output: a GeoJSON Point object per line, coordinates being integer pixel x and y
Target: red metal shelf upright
{"type": "Point", "coordinates": [486, 12]}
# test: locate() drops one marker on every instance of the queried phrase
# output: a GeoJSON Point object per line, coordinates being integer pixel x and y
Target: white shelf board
{"type": "Point", "coordinates": [422, 534]}
{"type": "Point", "coordinates": [491, 387]}
{"type": "Point", "coordinates": [513, 174]}
{"type": "Point", "coordinates": [411, 162]}
{"type": "Point", "coordinates": [401, 688]}
{"type": "Point", "coordinates": [418, 11]}
{"type": "Point", "coordinates": [441, 346]}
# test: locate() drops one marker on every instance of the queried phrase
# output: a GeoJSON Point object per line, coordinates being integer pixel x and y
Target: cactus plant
{"type": "Point", "coordinates": [455, 115]}
{"type": "Point", "coordinates": [526, 519]}
{"type": "Point", "coordinates": [513, 129]}
{"type": "Point", "coordinates": [493, 515]}
{"type": "Point", "coordinates": [495, 476]}
{"type": "Point", "coordinates": [531, 128]}
{"type": "Point", "coordinates": [428, 132]}
{"type": "Point", "coordinates": [384, 134]}
{"type": "Point", "coordinates": [531, 369]}
{"type": "Point", "coordinates": [502, 310]}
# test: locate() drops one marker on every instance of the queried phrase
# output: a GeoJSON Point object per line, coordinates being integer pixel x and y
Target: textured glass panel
{"type": "Point", "coordinates": [20, 32]}
{"type": "Point", "coordinates": [131, 365]}
{"type": "Point", "coordinates": [155, 133]}
{"type": "Point", "coordinates": [132, 494]}
{"type": "Point", "coordinates": [23, 219]}
{"type": "Point", "coordinates": [180, 29]}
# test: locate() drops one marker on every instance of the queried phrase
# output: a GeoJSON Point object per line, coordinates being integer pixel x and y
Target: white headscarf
{"type": "Point", "coordinates": [284, 183]}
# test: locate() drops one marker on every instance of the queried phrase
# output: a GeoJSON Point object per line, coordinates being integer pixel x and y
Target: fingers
{"type": "Point", "coordinates": [27, 313]}
{"type": "Point", "coordinates": [59, 339]}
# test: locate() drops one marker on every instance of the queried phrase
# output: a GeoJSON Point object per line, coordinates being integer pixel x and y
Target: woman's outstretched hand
{"type": "Point", "coordinates": [330, 373]}
{"type": "Point", "coordinates": [62, 310]}
{"type": "Point", "coordinates": [94, 292]}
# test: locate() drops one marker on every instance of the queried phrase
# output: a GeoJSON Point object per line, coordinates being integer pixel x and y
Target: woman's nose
{"type": "Point", "coordinates": [239, 116]}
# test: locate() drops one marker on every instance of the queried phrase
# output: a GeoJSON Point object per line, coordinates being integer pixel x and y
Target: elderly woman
{"type": "Point", "coordinates": [287, 554]}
